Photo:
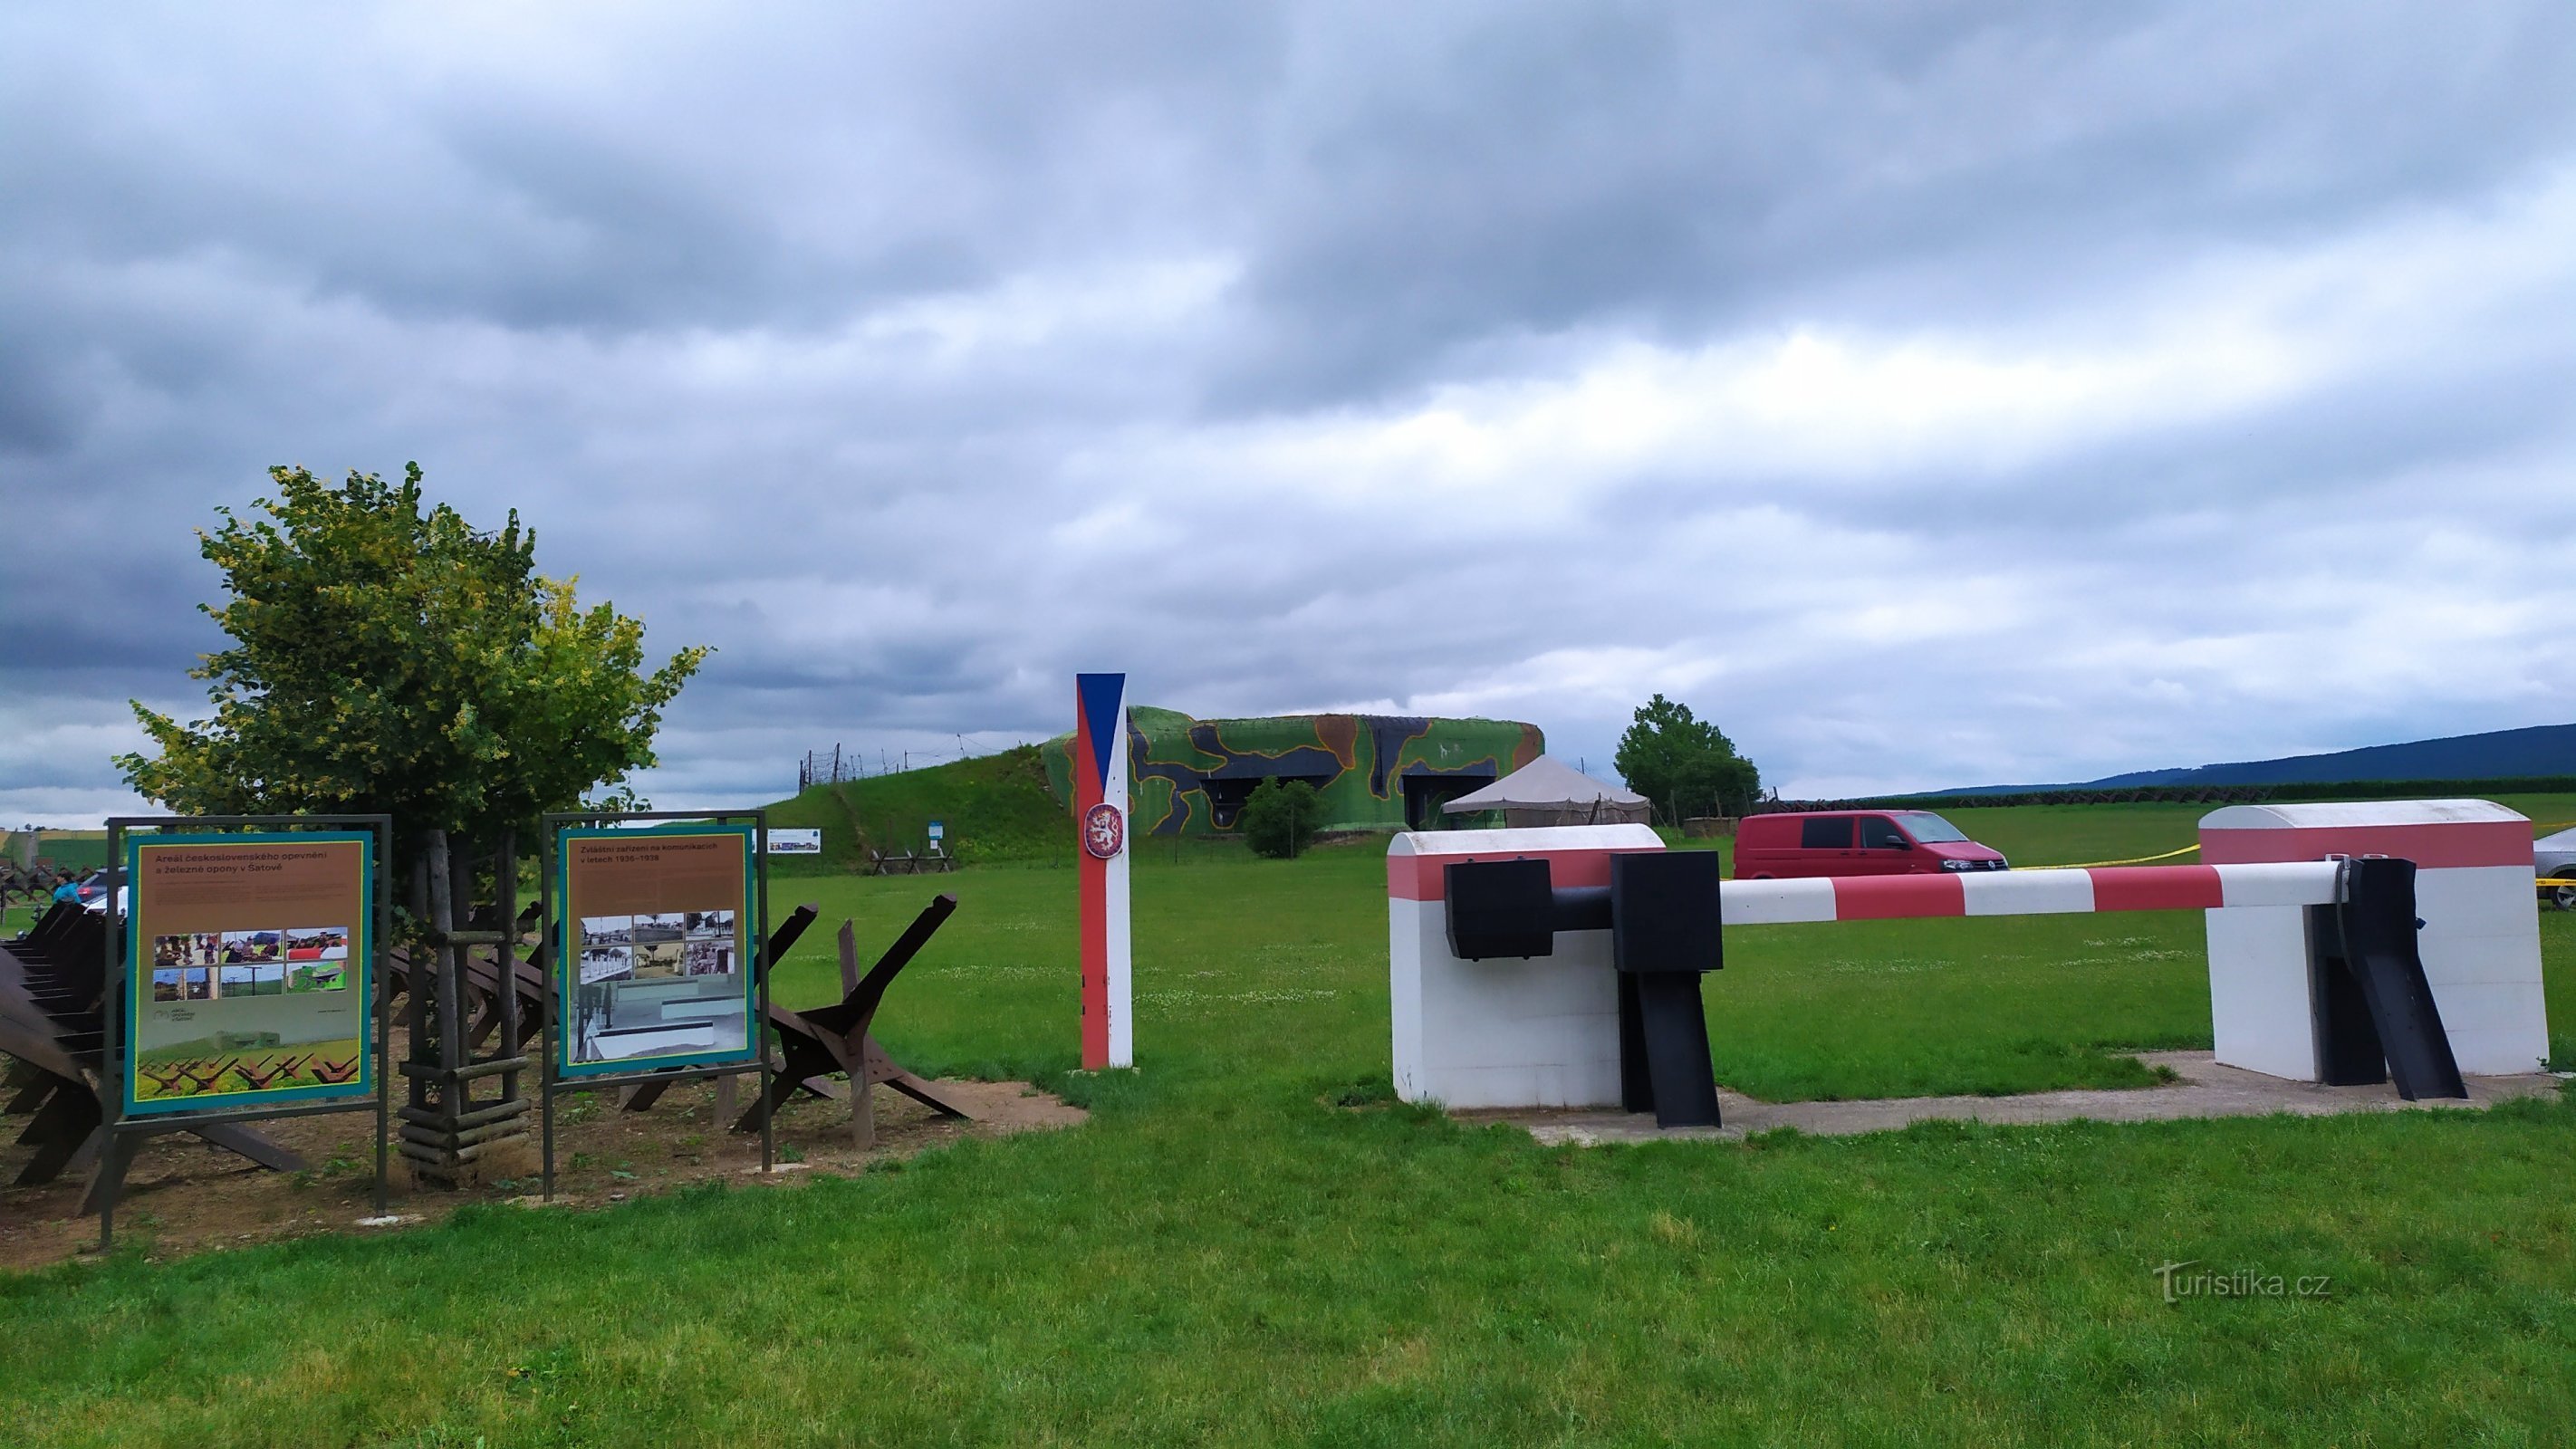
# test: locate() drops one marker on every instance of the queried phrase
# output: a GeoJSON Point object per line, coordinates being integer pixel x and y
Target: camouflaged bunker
{"type": "Point", "coordinates": [1374, 772]}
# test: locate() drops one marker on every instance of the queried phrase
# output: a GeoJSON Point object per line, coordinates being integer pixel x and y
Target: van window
{"type": "Point", "coordinates": [1825, 832]}
{"type": "Point", "coordinates": [1877, 832]}
{"type": "Point", "coordinates": [1928, 827]}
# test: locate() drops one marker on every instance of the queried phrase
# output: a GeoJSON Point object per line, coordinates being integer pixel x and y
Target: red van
{"type": "Point", "coordinates": [1855, 842]}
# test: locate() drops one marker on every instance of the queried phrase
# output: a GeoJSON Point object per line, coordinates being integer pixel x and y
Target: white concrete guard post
{"type": "Point", "coordinates": [1537, 1033]}
{"type": "Point", "coordinates": [2480, 941]}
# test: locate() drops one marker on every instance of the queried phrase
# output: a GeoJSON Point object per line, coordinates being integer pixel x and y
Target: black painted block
{"type": "Point", "coordinates": [1500, 908]}
{"type": "Point", "coordinates": [1664, 913]}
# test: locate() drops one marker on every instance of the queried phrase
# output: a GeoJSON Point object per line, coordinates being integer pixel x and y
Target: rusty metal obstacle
{"type": "Point", "coordinates": [828, 1041]}
{"type": "Point", "coordinates": [835, 1039]}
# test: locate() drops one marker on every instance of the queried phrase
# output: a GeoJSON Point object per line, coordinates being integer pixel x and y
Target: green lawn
{"type": "Point", "coordinates": [1249, 1245]}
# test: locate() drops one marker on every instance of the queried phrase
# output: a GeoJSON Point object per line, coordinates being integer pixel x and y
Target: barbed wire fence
{"type": "Point", "coordinates": [842, 763]}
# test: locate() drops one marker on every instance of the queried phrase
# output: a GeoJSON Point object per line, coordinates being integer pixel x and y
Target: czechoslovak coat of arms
{"type": "Point", "coordinates": [1104, 830]}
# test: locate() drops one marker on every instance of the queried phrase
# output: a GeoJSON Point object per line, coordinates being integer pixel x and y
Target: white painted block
{"type": "Point", "coordinates": [1405, 928]}
{"type": "Point", "coordinates": [2260, 1017]}
{"type": "Point", "coordinates": [2500, 1053]}
{"type": "Point", "coordinates": [2483, 960]}
{"type": "Point", "coordinates": [1507, 1033]}
{"type": "Point", "coordinates": [1774, 902]}
{"type": "Point", "coordinates": [2490, 1006]}
{"type": "Point", "coordinates": [2286, 883]}
{"type": "Point", "coordinates": [2465, 895]}
{"type": "Point", "coordinates": [2028, 892]}
{"type": "Point", "coordinates": [1527, 1086]}
{"type": "Point", "coordinates": [2480, 925]}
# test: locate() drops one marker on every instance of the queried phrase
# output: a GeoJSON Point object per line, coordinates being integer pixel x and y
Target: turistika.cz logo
{"type": "Point", "coordinates": [2238, 1283]}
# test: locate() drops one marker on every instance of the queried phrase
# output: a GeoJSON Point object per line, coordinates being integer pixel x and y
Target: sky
{"type": "Point", "coordinates": [1930, 394]}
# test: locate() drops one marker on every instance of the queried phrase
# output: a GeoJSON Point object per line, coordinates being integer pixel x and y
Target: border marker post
{"type": "Point", "coordinates": [1100, 817]}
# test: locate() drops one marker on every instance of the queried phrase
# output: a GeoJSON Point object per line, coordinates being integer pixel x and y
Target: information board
{"type": "Point", "coordinates": [654, 970]}
{"type": "Point", "coordinates": [808, 841]}
{"type": "Point", "coordinates": [247, 969]}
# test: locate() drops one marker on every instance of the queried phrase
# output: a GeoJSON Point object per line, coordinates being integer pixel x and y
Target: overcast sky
{"type": "Point", "coordinates": [1931, 394]}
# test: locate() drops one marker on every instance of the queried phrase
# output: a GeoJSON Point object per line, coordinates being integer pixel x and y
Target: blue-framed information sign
{"type": "Point", "coordinates": [247, 969]}
{"type": "Point", "coordinates": [654, 957]}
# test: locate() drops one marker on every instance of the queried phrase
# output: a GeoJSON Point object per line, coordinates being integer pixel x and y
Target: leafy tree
{"type": "Point", "coordinates": [1279, 819]}
{"type": "Point", "coordinates": [1686, 765]}
{"type": "Point", "coordinates": [387, 659]}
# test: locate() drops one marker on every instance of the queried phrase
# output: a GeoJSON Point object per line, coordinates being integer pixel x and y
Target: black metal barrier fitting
{"type": "Point", "coordinates": [2374, 1014]}
{"type": "Point", "coordinates": [1661, 909]}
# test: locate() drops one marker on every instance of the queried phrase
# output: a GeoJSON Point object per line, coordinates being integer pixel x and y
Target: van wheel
{"type": "Point", "coordinates": [2563, 897]}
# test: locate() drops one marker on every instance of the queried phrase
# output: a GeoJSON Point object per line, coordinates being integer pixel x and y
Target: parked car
{"type": "Point", "coordinates": [2553, 857]}
{"type": "Point", "coordinates": [90, 891]}
{"type": "Point", "coordinates": [1856, 842]}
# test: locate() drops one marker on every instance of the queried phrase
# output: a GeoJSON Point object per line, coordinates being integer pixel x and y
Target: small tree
{"type": "Point", "coordinates": [387, 659]}
{"type": "Point", "coordinates": [1279, 820]}
{"type": "Point", "coordinates": [1684, 764]}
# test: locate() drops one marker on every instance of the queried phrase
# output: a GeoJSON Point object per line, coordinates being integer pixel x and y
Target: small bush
{"type": "Point", "coordinates": [1279, 820]}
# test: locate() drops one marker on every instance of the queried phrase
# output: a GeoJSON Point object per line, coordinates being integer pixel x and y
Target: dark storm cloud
{"type": "Point", "coordinates": [1932, 392]}
{"type": "Point", "coordinates": [1677, 169]}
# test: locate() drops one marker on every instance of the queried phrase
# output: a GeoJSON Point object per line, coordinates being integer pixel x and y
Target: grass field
{"type": "Point", "coordinates": [1250, 1245]}
{"type": "Point", "coordinates": [69, 849]}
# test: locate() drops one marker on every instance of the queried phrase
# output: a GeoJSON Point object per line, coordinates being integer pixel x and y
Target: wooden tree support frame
{"type": "Point", "coordinates": [446, 1130]}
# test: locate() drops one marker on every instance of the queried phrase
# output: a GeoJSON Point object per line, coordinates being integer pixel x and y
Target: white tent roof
{"type": "Point", "coordinates": [1543, 784]}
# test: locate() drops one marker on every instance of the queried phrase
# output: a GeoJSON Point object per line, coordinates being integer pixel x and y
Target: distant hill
{"type": "Point", "coordinates": [995, 807]}
{"type": "Point", "coordinates": [2499, 754]}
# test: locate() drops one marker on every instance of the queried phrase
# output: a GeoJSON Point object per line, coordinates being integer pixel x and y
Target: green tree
{"type": "Point", "coordinates": [1685, 764]}
{"type": "Point", "coordinates": [1279, 819]}
{"type": "Point", "coordinates": [390, 659]}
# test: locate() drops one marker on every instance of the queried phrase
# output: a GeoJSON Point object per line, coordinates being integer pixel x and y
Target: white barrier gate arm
{"type": "Point", "coordinates": [2029, 892]}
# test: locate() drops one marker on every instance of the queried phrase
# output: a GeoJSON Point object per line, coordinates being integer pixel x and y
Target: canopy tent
{"type": "Point", "coordinates": [1547, 791]}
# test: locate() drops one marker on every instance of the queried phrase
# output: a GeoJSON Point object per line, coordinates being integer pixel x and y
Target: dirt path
{"type": "Point", "coordinates": [184, 1197]}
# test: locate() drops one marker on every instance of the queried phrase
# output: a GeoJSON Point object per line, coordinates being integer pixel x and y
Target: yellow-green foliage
{"type": "Point", "coordinates": [387, 658]}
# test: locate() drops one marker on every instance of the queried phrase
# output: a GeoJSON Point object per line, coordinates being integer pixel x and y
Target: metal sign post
{"type": "Point", "coordinates": [563, 958]}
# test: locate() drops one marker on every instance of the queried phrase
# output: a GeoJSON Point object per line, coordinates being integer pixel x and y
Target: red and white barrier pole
{"type": "Point", "coordinates": [2028, 892]}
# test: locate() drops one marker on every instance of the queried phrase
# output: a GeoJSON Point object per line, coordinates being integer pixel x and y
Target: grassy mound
{"type": "Point", "coordinates": [996, 808]}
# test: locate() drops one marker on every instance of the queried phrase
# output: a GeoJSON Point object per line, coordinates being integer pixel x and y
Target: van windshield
{"type": "Point", "coordinates": [1929, 828]}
